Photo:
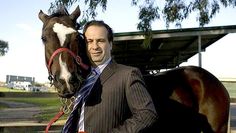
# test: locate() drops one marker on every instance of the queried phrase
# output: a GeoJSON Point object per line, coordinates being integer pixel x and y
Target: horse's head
{"type": "Point", "coordinates": [65, 51]}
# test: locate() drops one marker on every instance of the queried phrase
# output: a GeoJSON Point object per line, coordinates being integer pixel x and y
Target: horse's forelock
{"type": "Point", "coordinates": [57, 14]}
{"type": "Point", "coordinates": [61, 11]}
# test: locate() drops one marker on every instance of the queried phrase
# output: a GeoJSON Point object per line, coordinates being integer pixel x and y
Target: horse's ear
{"type": "Point", "coordinates": [42, 16]}
{"type": "Point", "coordinates": [75, 14]}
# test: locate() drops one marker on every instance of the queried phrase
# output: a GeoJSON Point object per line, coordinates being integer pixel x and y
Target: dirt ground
{"type": "Point", "coordinates": [18, 113]}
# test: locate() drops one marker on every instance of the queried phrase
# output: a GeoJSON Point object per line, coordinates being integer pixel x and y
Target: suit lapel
{"type": "Point", "coordinates": [97, 90]}
{"type": "Point", "coordinates": [95, 95]}
{"type": "Point", "coordinates": [108, 71]}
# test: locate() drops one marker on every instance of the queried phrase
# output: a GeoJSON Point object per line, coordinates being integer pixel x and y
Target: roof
{"type": "Point", "coordinates": [168, 48]}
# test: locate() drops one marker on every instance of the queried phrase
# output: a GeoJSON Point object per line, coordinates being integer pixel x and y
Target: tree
{"type": "Point", "coordinates": [174, 11]}
{"type": "Point", "coordinates": [3, 47]}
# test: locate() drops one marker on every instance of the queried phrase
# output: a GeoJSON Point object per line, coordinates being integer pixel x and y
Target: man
{"type": "Point", "coordinates": [119, 101]}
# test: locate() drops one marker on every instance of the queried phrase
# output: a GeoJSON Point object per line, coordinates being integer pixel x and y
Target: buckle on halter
{"type": "Point", "coordinates": [50, 78]}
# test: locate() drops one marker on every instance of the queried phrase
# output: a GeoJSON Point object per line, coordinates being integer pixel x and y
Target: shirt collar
{"type": "Point", "coordinates": [101, 67]}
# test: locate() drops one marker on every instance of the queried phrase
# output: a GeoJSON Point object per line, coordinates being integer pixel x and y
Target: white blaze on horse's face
{"type": "Point", "coordinates": [62, 31]}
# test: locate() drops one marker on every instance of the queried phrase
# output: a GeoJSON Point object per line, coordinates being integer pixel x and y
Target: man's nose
{"type": "Point", "coordinates": [95, 45]}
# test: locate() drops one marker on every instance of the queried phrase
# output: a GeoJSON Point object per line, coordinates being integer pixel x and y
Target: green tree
{"type": "Point", "coordinates": [3, 47]}
{"type": "Point", "coordinates": [173, 11]}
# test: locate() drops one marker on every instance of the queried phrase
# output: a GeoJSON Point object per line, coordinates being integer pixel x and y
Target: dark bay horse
{"type": "Point", "coordinates": [188, 99]}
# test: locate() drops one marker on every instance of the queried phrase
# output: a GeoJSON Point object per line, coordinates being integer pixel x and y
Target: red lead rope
{"type": "Point", "coordinates": [54, 119]}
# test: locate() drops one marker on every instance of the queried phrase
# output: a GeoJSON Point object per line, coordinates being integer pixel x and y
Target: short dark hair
{"type": "Point", "coordinates": [100, 23]}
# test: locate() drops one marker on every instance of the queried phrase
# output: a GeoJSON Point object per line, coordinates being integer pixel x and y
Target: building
{"type": "Point", "coordinates": [14, 78]}
{"type": "Point", "coordinates": [20, 82]}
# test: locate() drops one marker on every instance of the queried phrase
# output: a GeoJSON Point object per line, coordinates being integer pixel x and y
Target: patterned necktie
{"type": "Point", "coordinates": [72, 121]}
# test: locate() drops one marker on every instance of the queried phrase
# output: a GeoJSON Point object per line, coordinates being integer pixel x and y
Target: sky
{"type": "Point", "coordinates": [21, 28]}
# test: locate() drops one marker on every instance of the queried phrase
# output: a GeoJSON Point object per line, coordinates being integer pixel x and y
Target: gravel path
{"type": "Point", "coordinates": [18, 113]}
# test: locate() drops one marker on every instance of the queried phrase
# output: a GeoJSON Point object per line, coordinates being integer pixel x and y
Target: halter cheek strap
{"type": "Point", "coordinates": [59, 50]}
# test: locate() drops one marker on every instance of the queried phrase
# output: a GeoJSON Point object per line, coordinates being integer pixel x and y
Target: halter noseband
{"type": "Point", "coordinates": [59, 50]}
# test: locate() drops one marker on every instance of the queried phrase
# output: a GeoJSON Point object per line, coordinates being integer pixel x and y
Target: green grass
{"type": "Point", "coordinates": [42, 102]}
{"type": "Point", "coordinates": [2, 106]}
{"type": "Point", "coordinates": [5, 89]}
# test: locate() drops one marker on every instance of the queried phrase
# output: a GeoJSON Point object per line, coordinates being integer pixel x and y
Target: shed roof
{"type": "Point", "coordinates": [168, 48]}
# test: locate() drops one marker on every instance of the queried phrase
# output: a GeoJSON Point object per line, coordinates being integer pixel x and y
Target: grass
{"type": "Point", "coordinates": [2, 106]}
{"type": "Point", "coordinates": [5, 89]}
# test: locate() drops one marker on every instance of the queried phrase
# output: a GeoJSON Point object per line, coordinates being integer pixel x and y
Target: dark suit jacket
{"type": "Point", "coordinates": [119, 102]}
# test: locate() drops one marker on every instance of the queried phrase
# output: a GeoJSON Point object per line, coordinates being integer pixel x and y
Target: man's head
{"type": "Point", "coordinates": [99, 39]}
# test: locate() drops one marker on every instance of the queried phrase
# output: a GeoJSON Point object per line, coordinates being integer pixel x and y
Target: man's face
{"type": "Point", "coordinates": [98, 46]}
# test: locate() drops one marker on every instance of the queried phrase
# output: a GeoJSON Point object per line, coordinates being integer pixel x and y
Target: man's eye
{"type": "Point", "coordinates": [101, 40]}
{"type": "Point", "coordinates": [89, 42]}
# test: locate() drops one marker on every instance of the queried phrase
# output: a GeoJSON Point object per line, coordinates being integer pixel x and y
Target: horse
{"type": "Point", "coordinates": [61, 38]}
{"type": "Point", "coordinates": [188, 99]}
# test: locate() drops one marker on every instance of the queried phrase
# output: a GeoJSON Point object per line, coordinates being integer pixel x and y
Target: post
{"type": "Point", "coordinates": [199, 51]}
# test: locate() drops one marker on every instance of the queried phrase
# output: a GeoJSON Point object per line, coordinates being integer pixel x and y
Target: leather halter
{"type": "Point", "coordinates": [79, 61]}
{"type": "Point", "coordinates": [59, 50]}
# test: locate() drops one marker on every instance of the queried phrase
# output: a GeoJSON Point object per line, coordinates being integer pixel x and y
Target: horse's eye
{"type": "Point", "coordinates": [44, 39]}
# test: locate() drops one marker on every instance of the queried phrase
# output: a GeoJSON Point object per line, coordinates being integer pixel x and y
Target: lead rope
{"type": "Point", "coordinates": [65, 109]}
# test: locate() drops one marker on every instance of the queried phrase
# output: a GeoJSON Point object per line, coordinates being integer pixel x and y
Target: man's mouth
{"type": "Point", "coordinates": [96, 54]}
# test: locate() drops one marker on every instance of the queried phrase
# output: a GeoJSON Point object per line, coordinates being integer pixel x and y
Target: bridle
{"type": "Point", "coordinates": [64, 109]}
{"type": "Point", "coordinates": [60, 50]}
